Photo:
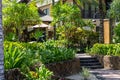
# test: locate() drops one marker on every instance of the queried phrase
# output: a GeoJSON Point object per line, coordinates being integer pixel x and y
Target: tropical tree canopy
{"type": "Point", "coordinates": [114, 11]}
{"type": "Point", "coordinates": [67, 13]}
{"type": "Point", "coordinates": [17, 16]}
{"type": "Point", "coordinates": [16, 13]}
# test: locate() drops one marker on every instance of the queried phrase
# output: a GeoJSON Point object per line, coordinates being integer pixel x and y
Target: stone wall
{"type": "Point", "coordinates": [65, 68]}
{"type": "Point", "coordinates": [109, 62]}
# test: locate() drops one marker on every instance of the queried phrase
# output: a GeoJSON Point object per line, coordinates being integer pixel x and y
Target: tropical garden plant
{"type": "Point", "coordinates": [56, 54]}
{"type": "Point", "coordinates": [71, 28]}
{"type": "Point", "coordinates": [14, 56]}
{"type": "Point", "coordinates": [41, 73]}
{"type": "Point", "coordinates": [24, 15]}
{"type": "Point", "coordinates": [85, 73]}
{"type": "Point", "coordinates": [26, 55]}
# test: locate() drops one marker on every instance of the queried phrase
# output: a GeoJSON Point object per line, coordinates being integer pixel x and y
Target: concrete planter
{"type": "Point", "coordinates": [64, 68]}
{"type": "Point", "coordinates": [109, 62]}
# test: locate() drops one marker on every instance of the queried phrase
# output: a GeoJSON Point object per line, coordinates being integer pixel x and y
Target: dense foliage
{"type": "Point", "coordinates": [56, 54]}
{"type": "Point", "coordinates": [14, 55]}
{"type": "Point", "coordinates": [66, 12]}
{"type": "Point", "coordinates": [19, 54]}
{"type": "Point", "coordinates": [41, 74]}
{"type": "Point", "coordinates": [25, 55]}
{"type": "Point", "coordinates": [81, 36]}
{"type": "Point", "coordinates": [114, 11]}
{"type": "Point", "coordinates": [78, 37]}
{"type": "Point", "coordinates": [106, 49]}
{"type": "Point", "coordinates": [117, 34]}
{"type": "Point", "coordinates": [17, 17]}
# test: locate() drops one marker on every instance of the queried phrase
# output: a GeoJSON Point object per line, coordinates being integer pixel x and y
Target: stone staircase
{"type": "Point", "coordinates": [89, 62]}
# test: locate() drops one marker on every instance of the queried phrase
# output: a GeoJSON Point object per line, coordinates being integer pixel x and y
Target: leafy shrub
{"type": "Point", "coordinates": [42, 73]}
{"type": "Point", "coordinates": [56, 54]}
{"type": "Point", "coordinates": [30, 53]}
{"type": "Point", "coordinates": [55, 43]}
{"type": "Point", "coordinates": [106, 49]}
{"type": "Point", "coordinates": [24, 55]}
{"type": "Point", "coordinates": [81, 38]}
{"type": "Point", "coordinates": [21, 55]}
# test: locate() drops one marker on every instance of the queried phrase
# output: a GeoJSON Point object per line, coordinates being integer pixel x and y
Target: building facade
{"type": "Point", "coordinates": [89, 10]}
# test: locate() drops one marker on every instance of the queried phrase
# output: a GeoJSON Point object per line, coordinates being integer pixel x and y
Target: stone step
{"type": "Point", "coordinates": [88, 60]}
{"type": "Point", "coordinates": [89, 64]}
{"type": "Point", "coordinates": [94, 67]}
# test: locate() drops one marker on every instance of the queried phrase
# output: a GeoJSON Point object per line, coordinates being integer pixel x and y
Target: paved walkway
{"type": "Point", "coordinates": [101, 74]}
{"type": "Point", "coordinates": [82, 55]}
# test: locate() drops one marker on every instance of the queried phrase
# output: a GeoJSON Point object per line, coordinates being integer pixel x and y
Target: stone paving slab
{"type": "Point", "coordinates": [82, 55]}
{"type": "Point", "coordinates": [80, 77]}
{"type": "Point", "coordinates": [101, 74]}
{"type": "Point", "coordinates": [104, 74]}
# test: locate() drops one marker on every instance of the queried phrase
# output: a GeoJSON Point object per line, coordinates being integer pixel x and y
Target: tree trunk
{"type": "Point", "coordinates": [53, 3]}
{"type": "Point", "coordinates": [18, 34]}
{"type": "Point", "coordinates": [101, 27]}
{"type": "Point", "coordinates": [1, 46]}
{"type": "Point", "coordinates": [112, 25]}
{"type": "Point", "coordinates": [25, 35]}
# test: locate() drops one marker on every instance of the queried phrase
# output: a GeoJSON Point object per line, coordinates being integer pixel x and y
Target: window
{"type": "Point", "coordinates": [90, 10]}
{"type": "Point", "coordinates": [46, 11]}
{"type": "Point", "coordinates": [86, 8]}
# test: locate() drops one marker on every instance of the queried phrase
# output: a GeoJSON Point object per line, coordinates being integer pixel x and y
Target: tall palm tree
{"type": "Point", "coordinates": [1, 46]}
{"type": "Point", "coordinates": [101, 27]}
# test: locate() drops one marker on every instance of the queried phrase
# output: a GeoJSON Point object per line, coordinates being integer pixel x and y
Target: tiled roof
{"type": "Point", "coordinates": [45, 2]}
{"type": "Point", "coordinates": [46, 18]}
